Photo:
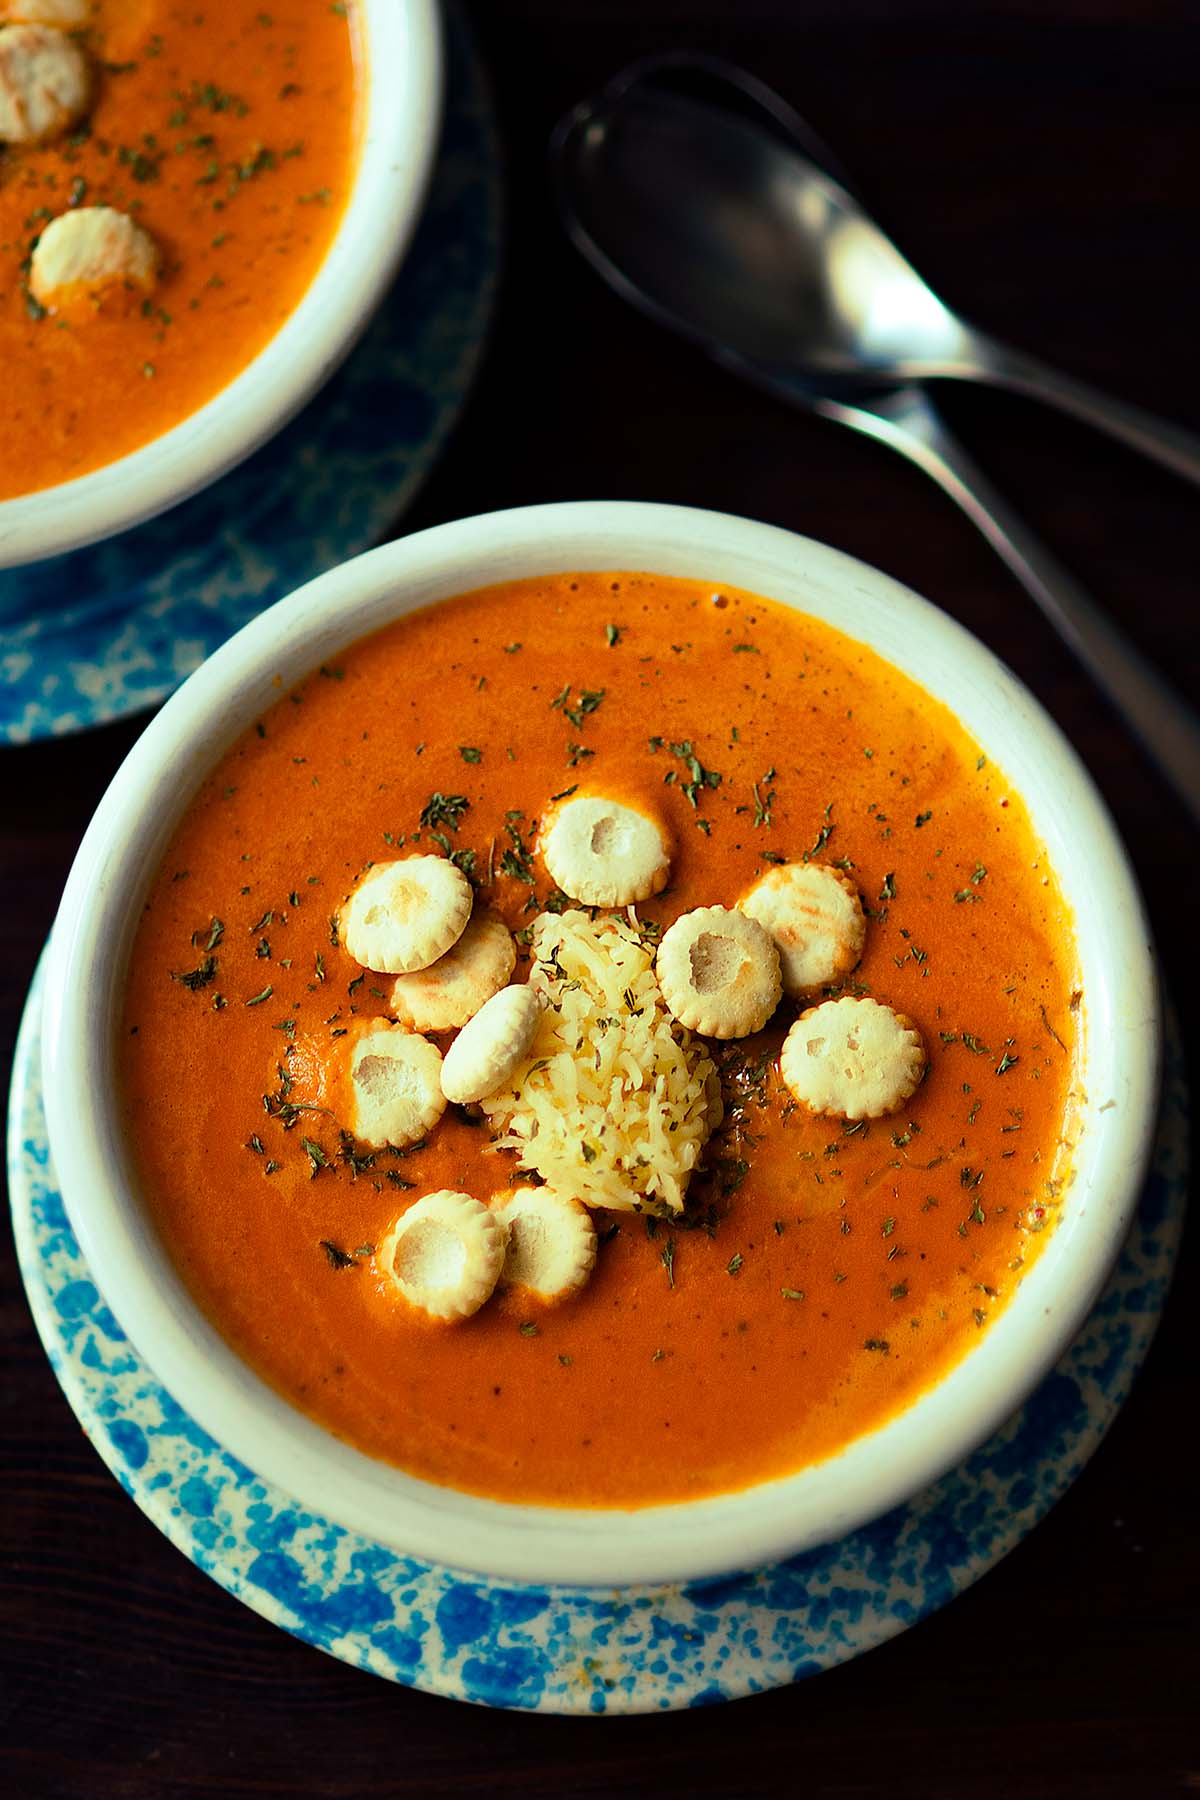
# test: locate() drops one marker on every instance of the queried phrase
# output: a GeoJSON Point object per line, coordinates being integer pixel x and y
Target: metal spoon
{"type": "Point", "coordinates": [700, 207]}
{"type": "Point", "coordinates": [712, 172]}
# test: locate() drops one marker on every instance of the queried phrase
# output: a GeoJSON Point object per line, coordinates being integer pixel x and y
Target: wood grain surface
{"type": "Point", "coordinates": [1040, 163]}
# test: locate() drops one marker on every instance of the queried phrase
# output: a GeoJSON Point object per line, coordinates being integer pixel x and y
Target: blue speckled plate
{"type": "Point", "coordinates": [569, 1650]}
{"type": "Point", "coordinates": [113, 628]}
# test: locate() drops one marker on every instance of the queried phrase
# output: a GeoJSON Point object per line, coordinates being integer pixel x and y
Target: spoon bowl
{"type": "Point", "coordinates": [708, 202]}
{"type": "Point", "coordinates": [733, 237]}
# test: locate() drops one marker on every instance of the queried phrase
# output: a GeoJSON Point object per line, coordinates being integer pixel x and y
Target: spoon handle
{"type": "Point", "coordinates": [905, 419]}
{"type": "Point", "coordinates": [1165, 443]}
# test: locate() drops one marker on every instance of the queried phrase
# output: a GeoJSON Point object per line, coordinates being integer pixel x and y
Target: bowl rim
{"type": "Point", "coordinates": [398, 135]}
{"type": "Point", "coordinates": [597, 1546]}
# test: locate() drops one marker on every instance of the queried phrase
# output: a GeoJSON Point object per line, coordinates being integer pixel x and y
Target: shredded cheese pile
{"type": "Point", "coordinates": [614, 1102]}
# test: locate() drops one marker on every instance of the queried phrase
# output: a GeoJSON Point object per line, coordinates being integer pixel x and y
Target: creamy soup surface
{"type": "Point", "coordinates": [823, 1273]}
{"type": "Point", "coordinates": [227, 130]}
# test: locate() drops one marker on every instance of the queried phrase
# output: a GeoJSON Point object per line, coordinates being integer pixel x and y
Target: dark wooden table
{"type": "Point", "coordinates": [1040, 163]}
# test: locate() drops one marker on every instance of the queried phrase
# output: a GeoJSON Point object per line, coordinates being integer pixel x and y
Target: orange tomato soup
{"type": "Point", "coordinates": [228, 130]}
{"type": "Point", "coordinates": [823, 1274]}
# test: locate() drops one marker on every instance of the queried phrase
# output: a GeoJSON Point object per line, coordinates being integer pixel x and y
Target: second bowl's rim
{"type": "Point", "coordinates": [394, 157]}
{"type": "Point", "coordinates": [535, 1544]}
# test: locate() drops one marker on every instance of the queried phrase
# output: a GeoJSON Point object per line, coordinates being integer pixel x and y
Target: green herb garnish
{"type": "Point", "coordinates": [198, 977]}
{"type": "Point", "coordinates": [444, 809]}
{"type": "Point", "coordinates": [316, 1156]}
{"type": "Point", "coordinates": [699, 778]}
{"type": "Point", "coordinates": [823, 835]}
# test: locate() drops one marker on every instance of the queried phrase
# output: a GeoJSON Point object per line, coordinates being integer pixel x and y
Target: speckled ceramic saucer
{"type": "Point", "coordinates": [113, 628]}
{"type": "Point", "coordinates": [568, 1650]}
